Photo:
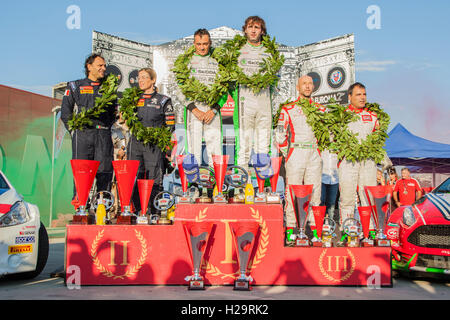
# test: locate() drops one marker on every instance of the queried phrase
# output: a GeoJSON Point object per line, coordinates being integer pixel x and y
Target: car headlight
{"type": "Point", "coordinates": [18, 214]}
{"type": "Point", "coordinates": [408, 216]}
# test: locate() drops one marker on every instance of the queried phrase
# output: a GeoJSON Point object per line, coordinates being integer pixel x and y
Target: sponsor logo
{"type": "Point", "coordinates": [24, 248]}
{"type": "Point", "coordinates": [317, 80]}
{"type": "Point", "coordinates": [28, 239]}
{"type": "Point", "coordinates": [140, 103]}
{"type": "Point", "coordinates": [336, 77]}
{"type": "Point", "coordinates": [366, 117]}
{"type": "Point", "coordinates": [392, 233]}
{"type": "Point", "coordinates": [87, 90]}
{"type": "Point", "coordinates": [24, 233]}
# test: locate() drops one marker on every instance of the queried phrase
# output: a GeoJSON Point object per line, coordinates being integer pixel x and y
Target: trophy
{"type": "Point", "coordinates": [197, 235]}
{"type": "Point", "coordinates": [163, 201]}
{"type": "Point", "coordinates": [364, 216]}
{"type": "Point", "coordinates": [352, 228]}
{"type": "Point", "coordinates": [184, 182]}
{"type": "Point", "coordinates": [261, 162]}
{"type": "Point", "coordinates": [220, 169]}
{"type": "Point", "coordinates": [103, 201]}
{"type": "Point", "coordinates": [273, 196]}
{"type": "Point", "coordinates": [328, 232]}
{"type": "Point", "coordinates": [244, 236]}
{"type": "Point", "coordinates": [319, 215]}
{"type": "Point", "coordinates": [380, 207]}
{"type": "Point", "coordinates": [237, 177]}
{"type": "Point", "coordinates": [145, 187]}
{"type": "Point", "coordinates": [300, 196]}
{"type": "Point", "coordinates": [84, 172]}
{"type": "Point", "coordinates": [206, 182]}
{"type": "Point", "coordinates": [125, 171]}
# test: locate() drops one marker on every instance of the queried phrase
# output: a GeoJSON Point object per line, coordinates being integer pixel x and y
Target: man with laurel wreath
{"type": "Point", "coordinates": [255, 106]}
{"type": "Point", "coordinates": [299, 145]}
{"type": "Point", "coordinates": [355, 175]}
{"type": "Point", "coordinates": [93, 142]}
{"type": "Point", "coordinates": [203, 121]}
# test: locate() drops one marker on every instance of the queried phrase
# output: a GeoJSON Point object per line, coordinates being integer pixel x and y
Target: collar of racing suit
{"type": "Point", "coordinates": [355, 110]}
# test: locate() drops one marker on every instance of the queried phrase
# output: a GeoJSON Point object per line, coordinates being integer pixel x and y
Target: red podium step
{"type": "Point", "coordinates": [159, 254]}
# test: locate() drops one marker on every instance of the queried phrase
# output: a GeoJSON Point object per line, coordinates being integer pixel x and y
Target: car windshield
{"type": "Point", "coordinates": [444, 187]}
{"type": "Point", "coordinates": [3, 185]}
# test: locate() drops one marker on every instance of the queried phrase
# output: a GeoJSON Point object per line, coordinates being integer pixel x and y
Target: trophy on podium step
{"type": "Point", "coordinates": [301, 196]}
{"type": "Point", "coordinates": [237, 177]}
{"type": "Point", "coordinates": [365, 214]}
{"type": "Point", "coordinates": [319, 216]}
{"type": "Point", "coordinates": [207, 181]}
{"type": "Point", "coordinates": [126, 172]}
{"type": "Point", "coordinates": [84, 172]}
{"type": "Point", "coordinates": [163, 201]}
{"type": "Point", "coordinates": [145, 187]}
{"type": "Point", "coordinates": [328, 228]}
{"type": "Point", "coordinates": [380, 208]}
{"type": "Point", "coordinates": [352, 228]}
{"type": "Point", "coordinates": [220, 163]}
{"type": "Point", "coordinates": [262, 164]}
{"type": "Point", "coordinates": [273, 196]}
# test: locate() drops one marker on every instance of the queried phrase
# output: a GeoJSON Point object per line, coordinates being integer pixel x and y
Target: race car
{"type": "Point", "coordinates": [420, 233]}
{"type": "Point", "coordinates": [24, 241]}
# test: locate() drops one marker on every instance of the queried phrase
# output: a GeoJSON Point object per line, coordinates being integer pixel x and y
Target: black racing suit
{"type": "Point", "coordinates": [153, 110]}
{"type": "Point", "coordinates": [93, 142]}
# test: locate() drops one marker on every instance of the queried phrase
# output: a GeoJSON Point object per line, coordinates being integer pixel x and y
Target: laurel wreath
{"type": "Point", "coordinates": [83, 118]}
{"type": "Point", "coordinates": [267, 74]}
{"type": "Point", "coordinates": [260, 252]}
{"type": "Point", "coordinates": [346, 144]}
{"type": "Point", "coordinates": [130, 271]}
{"type": "Point", "coordinates": [330, 278]}
{"type": "Point", "coordinates": [315, 118]}
{"type": "Point", "coordinates": [159, 136]}
{"type": "Point", "coordinates": [192, 88]}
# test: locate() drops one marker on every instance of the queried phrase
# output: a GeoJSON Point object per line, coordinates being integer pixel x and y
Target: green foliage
{"type": "Point", "coordinates": [195, 90]}
{"type": "Point", "coordinates": [267, 75]}
{"type": "Point", "coordinates": [159, 136]}
{"type": "Point", "coordinates": [83, 118]}
{"type": "Point", "coordinates": [346, 143]}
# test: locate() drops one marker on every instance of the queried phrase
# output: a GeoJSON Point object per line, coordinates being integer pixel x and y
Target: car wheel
{"type": "Point", "coordinates": [43, 249]}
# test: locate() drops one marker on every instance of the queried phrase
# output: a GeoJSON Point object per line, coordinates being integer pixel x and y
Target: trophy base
{"type": "Point", "coordinates": [164, 221]}
{"type": "Point", "coordinates": [142, 220]}
{"type": "Point", "coordinates": [383, 242]}
{"type": "Point", "coordinates": [83, 219]}
{"type": "Point", "coordinates": [327, 244]}
{"type": "Point", "coordinates": [184, 200]}
{"type": "Point", "coordinates": [259, 200]}
{"type": "Point", "coordinates": [126, 220]}
{"type": "Point", "coordinates": [353, 243]}
{"type": "Point", "coordinates": [317, 243]}
{"type": "Point", "coordinates": [242, 285]}
{"type": "Point", "coordinates": [196, 284]}
{"type": "Point", "coordinates": [234, 200]}
{"type": "Point", "coordinates": [273, 199]}
{"type": "Point", "coordinates": [203, 200]}
{"type": "Point", "coordinates": [367, 243]}
{"type": "Point", "coordinates": [220, 199]}
{"type": "Point", "coordinates": [302, 242]}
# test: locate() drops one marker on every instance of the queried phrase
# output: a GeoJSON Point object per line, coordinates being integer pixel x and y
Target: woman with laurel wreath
{"type": "Point", "coordinates": [153, 110]}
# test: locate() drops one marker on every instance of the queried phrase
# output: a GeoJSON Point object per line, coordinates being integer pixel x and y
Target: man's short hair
{"type": "Point", "coordinates": [406, 169]}
{"type": "Point", "coordinates": [202, 32]}
{"type": "Point", "coordinates": [90, 60]}
{"type": "Point", "coordinates": [253, 19]}
{"type": "Point", "coordinates": [356, 84]}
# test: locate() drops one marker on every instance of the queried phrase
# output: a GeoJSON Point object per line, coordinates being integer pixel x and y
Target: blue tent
{"type": "Point", "coordinates": [406, 149]}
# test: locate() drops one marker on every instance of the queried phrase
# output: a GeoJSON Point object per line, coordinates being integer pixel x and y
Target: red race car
{"type": "Point", "coordinates": [420, 233]}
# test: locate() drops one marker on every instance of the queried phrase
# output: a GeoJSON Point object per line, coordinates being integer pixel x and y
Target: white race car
{"type": "Point", "coordinates": [24, 241]}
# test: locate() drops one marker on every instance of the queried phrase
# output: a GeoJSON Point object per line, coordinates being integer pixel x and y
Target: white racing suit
{"type": "Point", "coordinates": [357, 175]}
{"type": "Point", "coordinates": [303, 163]}
{"type": "Point", "coordinates": [255, 110]}
{"type": "Point", "coordinates": [204, 69]}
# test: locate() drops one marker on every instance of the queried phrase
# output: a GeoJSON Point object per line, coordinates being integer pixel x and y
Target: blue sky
{"type": "Point", "coordinates": [404, 64]}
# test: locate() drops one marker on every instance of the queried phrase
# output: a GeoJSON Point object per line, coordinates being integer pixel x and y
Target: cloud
{"type": "Point", "coordinates": [375, 66]}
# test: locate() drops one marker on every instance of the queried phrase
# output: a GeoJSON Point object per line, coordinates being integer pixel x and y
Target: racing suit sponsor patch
{"type": "Point", "coordinates": [28, 239]}
{"type": "Point", "coordinates": [366, 117]}
{"type": "Point", "coordinates": [23, 248]}
{"type": "Point", "coordinates": [141, 102]}
{"type": "Point", "coordinates": [87, 90]}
